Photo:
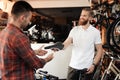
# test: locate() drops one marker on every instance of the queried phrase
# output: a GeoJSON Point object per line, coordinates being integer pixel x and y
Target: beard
{"type": "Point", "coordinates": [24, 25]}
{"type": "Point", "coordinates": [83, 22]}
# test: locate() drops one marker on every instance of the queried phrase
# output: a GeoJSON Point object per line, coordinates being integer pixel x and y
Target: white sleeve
{"type": "Point", "coordinates": [71, 34]}
{"type": "Point", "coordinates": [98, 38]}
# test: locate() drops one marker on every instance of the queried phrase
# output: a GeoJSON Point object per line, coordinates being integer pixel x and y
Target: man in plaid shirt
{"type": "Point", "coordinates": [17, 58]}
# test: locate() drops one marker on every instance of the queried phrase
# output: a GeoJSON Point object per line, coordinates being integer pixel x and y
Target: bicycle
{"type": "Point", "coordinates": [114, 33]}
{"type": "Point", "coordinates": [43, 75]}
{"type": "Point", "coordinates": [110, 24]}
{"type": "Point", "coordinates": [112, 72]}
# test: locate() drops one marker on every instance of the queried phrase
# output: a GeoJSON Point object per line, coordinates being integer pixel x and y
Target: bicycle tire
{"type": "Point", "coordinates": [110, 40]}
{"type": "Point", "coordinates": [115, 27]}
{"type": "Point", "coordinates": [101, 25]}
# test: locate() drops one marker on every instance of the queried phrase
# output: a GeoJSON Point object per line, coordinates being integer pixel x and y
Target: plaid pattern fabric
{"type": "Point", "coordinates": [17, 59]}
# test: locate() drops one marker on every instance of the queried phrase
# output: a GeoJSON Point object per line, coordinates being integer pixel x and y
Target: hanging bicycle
{"type": "Point", "coordinates": [110, 24]}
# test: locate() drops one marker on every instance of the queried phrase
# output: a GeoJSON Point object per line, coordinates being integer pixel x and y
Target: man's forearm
{"type": "Point", "coordinates": [98, 55]}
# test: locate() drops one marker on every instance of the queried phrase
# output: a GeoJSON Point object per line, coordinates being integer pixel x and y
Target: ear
{"type": "Point", "coordinates": [90, 18]}
{"type": "Point", "coordinates": [22, 17]}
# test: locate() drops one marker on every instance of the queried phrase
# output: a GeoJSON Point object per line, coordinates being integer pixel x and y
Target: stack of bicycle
{"type": "Point", "coordinates": [104, 18]}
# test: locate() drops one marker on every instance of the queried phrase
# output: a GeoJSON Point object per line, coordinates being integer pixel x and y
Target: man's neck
{"type": "Point", "coordinates": [14, 22]}
{"type": "Point", "coordinates": [85, 26]}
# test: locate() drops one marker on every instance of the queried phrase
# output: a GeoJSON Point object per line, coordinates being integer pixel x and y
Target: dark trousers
{"type": "Point", "coordinates": [74, 74]}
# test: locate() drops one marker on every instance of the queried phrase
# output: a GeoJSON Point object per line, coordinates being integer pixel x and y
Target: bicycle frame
{"type": "Point", "coordinates": [111, 68]}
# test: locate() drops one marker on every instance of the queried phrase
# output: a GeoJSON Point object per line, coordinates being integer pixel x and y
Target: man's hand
{"type": "Point", "coordinates": [40, 52]}
{"type": "Point", "coordinates": [49, 57]}
{"type": "Point", "coordinates": [91, 69]}
{"type": "Point", "coordinates": [55, 49]}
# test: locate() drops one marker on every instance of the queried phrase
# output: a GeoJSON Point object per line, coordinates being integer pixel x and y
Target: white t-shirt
{"type": "Point", "coordinates": [83, 46]}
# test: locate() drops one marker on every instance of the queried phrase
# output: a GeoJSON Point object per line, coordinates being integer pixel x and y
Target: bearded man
{"type": "Point", "coordinates": [84, 38]}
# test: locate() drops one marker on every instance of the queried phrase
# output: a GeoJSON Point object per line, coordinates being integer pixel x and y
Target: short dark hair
{"type": "Point", "coordinates": [89, 10]}
{"type": "Point", "coordinates": [21, 7]}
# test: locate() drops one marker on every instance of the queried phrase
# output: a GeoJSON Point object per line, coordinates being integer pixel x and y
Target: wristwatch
{"type": "Point", "coordinates": [94, 64]}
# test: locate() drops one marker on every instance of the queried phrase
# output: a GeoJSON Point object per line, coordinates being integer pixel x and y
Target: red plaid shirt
{"type": "Point", "coordinates": [17, 59]}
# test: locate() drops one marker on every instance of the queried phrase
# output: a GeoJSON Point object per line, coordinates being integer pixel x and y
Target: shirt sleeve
{"type": "Point", "coordinates": [71, 34]}
{"type": "Point", "coordinates": [98, 38]}
{"type": "Point", "coordinates": [24, 50]}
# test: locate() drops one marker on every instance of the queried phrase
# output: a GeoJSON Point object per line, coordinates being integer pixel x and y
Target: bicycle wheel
{"type": "Point", "coordinates": [116, 33]}
{"type": "Point", "coordinates": [109, 38]}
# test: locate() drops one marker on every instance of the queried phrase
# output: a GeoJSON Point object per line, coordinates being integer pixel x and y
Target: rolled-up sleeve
{"type": "Point", "coordinates": [25, 52]}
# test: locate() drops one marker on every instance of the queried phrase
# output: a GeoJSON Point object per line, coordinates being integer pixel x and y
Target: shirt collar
{"type": "Point", "coordinates": [12, 25]}
{"type": "Point", "coordinates": [84, 29]}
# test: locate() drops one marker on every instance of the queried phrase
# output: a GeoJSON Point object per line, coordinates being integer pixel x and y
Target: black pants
{"type": "Point", "coordinates": [74, 74]}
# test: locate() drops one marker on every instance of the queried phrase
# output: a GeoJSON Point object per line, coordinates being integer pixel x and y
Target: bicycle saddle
{"type": "Point", "coordinates": [57, 45]}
